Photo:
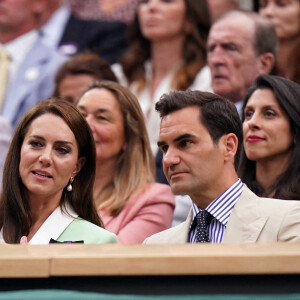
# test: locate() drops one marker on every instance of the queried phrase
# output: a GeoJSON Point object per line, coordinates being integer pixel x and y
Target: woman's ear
{"type": "Point", "coordinates": [79, 165]}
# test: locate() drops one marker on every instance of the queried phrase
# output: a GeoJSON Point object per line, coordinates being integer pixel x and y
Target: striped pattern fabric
{"type": "Point", "coordinates": [220, 209]}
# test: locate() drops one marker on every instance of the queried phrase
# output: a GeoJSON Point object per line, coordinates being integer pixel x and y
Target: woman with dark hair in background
{"type": "Point", "coordinates": [48, 179]}
{"type": "Point", "coordinates": [128, 200]}
{"type": "Point", "coordinates": [167, 51]}
{"type": "Point", "coordinates": [270, 162]}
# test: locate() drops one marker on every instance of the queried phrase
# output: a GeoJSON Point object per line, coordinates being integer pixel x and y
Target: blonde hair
{"type": "Point", "coordinates": [135, 165]}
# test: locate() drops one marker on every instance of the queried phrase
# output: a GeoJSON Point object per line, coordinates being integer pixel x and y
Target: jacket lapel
{"type": "Point", "coordinates": [180, 232]}
{"type": "Point", "coordinates": [54, 225]}
{"type": "Point", "coordinates": [246, 222]}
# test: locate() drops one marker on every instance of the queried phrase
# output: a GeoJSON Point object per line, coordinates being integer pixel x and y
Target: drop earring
{"type": "Point", "coordinates": [69, 187]}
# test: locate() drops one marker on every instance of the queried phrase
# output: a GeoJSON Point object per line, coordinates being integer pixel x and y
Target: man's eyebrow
{"type": "Point", "coordinates": [183, 136]}
{"type": "Point", "coordinates": [179, 138]}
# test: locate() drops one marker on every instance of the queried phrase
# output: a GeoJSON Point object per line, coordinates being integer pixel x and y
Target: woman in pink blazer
{"type": "Point", "coordinates": [129, 202]}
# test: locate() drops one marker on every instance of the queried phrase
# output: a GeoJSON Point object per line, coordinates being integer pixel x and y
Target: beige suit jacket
{"type": "Point", "coordinates": [253, 219]}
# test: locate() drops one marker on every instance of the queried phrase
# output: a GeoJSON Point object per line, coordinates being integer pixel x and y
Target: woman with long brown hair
{"type": "Point", "coordinates": [128, 200]}
{"type": "Point", "coordinates": [167, 51]}
{"type": "Point", "coordinates": [48, 179]}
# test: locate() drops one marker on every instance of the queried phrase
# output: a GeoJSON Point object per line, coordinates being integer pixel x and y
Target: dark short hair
{"type": "Point", "coordinates": [218, 114]}
{"type": "Point", "coordinates": [287, 94]}
{"type": "Point", "coordinates": [15, 217]}
{"type": "Point", "coordinates": [86, 63]}
{"type": "Point", "coordinates": [265, 39]}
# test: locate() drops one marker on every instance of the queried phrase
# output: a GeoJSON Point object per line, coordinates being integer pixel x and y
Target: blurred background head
{"type": "Point", "coordinates": [75, 75]}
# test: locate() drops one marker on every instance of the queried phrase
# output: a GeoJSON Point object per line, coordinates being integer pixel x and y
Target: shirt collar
{"type": "Point", "coordinates": [53, 30]}
{"type": "Point", "coordinates": [221, 207]}
{"type": "Point", "coordinates": [19, 47]}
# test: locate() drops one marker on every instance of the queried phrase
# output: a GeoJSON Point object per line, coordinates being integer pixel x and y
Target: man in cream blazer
{"type": "Point", "coordinates": [200, 137]}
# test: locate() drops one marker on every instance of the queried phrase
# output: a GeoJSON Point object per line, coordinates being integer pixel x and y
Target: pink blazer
{"type": "Point", "coordinates": [144, 214]}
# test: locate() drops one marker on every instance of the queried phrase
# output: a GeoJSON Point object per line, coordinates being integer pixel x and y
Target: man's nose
{"type": "Point", "coordinates": [170, 158]}
{"type": "Point", "coordinates": [215, 56]}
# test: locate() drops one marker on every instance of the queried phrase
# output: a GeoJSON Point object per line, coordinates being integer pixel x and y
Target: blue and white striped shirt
{"type": "Point", "coordinates": [220, 209]}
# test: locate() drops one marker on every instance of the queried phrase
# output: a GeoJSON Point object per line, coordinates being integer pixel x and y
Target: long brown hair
{"type": "Point", "coordinates": [194, 47]}
{"type": "Point", "coordinates": [15, 215]}
{"type": "Point", "coordinates": [135, 167]}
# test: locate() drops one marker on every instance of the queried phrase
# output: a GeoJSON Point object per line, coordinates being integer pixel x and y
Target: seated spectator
{"type": "Point", "coordinates": [200, 137]}
{"type": "Point", "coordinates": [270, 163]}
{"type": "Point", "coordinates": [167, 50]}
{"type": "Point", "coordinates": [48, 178]}
{"type": "Point", "coordinates": [30, 65]}
{"type": "Point", "coordinates": [285, 15]}
{"type": "Point", "coordinates": [76, 74]}
{"type": "Point", "coordinates": [128, 200]}
{"type": "Point", "coordinates": [241, 46]}
{"type": "Point", "coordinates": [70, 35]}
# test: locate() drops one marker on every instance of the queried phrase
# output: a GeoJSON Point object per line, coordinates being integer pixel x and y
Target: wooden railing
{"type": "Point", "coordinates": [40, 261]}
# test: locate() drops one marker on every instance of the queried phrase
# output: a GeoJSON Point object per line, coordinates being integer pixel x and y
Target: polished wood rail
{"type": "Point", "coordinates": [40, 261]}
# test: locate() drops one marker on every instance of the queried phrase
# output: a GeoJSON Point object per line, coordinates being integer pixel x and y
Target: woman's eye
{"type": "Point", "coordinates": [263, 4]}
{"type": "Point", "coordinates": [248, 114]}
{"type": "Point", "coordinates": [282, 3]}
{"type": "Point", "coordinates": [35, 144]}
{"type": "Point", "coordinates": [63, 150]}
{"type": "Point", "coordinates": [102, 118]}
{"type": "Point", "coordinates": [270, 113]}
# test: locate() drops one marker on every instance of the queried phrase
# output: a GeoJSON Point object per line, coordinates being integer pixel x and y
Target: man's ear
{"type": "Point", "coordinates": [267, 62]}
{"type": "Point", "coordinates": [79, 165]}
{"type": "Point", "coordinates": [230, 142]}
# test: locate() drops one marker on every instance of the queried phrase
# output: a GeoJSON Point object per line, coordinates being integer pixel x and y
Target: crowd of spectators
{"type": "Point", "coordinates": [114, 60]}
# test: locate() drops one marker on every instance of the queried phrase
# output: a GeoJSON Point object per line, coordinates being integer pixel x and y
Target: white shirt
{"type": "Point", "coordinates": [239, 106]}
{"type": "Point", "coordinates": [53, 30]}
{"type": "Point", "coordinates": [202, 82]}
{"type": "Point", "coordinates": [17, 50]}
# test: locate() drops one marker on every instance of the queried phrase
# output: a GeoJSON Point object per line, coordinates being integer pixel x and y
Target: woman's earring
{"type": "Point", "coordinates": [69, 187]}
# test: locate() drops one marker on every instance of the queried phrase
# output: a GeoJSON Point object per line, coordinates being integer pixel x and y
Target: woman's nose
{"type": "Point", "coordinates": [268, 11]}
{"type": "Point", "coordinates": [151, 4]}
{"type": "Point", "coordinates": [46, 157]}
{"type": "Point", "coordinates": [253, 122]}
